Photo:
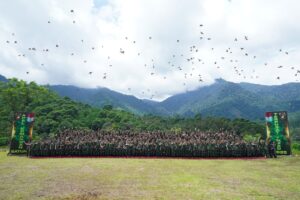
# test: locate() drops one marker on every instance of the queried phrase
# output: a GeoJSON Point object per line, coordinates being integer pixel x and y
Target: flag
{"type": "Point", "coordinates": [30, 117]}
{"type": "Point", "coordinates": [269, 117]}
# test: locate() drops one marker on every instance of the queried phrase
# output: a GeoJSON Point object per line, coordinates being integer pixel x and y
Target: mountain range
{"type": "Point", "coordinates": [222, 98]}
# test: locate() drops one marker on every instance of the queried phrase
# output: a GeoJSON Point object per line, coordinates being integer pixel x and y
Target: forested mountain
{"type": "Point", "coordinates": [232, 100]}
{"type": "Point", "coordinates": [223, 98]}
{"type": "Point", "coordinates": [102, 96]}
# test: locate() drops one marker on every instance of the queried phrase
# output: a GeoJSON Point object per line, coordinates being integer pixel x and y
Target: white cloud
{"type": "Point", "coordinates": [104, 26]}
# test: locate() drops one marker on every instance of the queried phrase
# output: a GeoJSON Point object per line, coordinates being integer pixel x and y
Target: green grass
{"type": "Point", "coordinates": [106, 178]}
{"type": "Point", "coordinates": [3, 148]}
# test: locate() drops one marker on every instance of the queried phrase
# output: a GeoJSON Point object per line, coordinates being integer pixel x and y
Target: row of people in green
{"type": "Point", "coordinates": [191, 144]}
{"type": "Point", "coordinates": [246, 150]}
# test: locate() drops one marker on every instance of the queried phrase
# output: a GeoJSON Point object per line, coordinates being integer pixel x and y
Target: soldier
{"type": "Point", "coordinates": [28, 148]}
{"type": "Point", "coordinates": [272, 149]}
{"type": "Point", "coordinates": [156, 143]}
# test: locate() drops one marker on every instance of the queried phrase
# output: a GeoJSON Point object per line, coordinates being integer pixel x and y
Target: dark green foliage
{"type": "Point", "coordinates": [4, 141]}
{"type": "Point", "coordinates": [296, 146]}
{"type": "Point", "coordinates": [294, 123]}
{"type": "Point", "coordinates": [97, 124]}
{"type": "Point", "coordinates": [54, 113]}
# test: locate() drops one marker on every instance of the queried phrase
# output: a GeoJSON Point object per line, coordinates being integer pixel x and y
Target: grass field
{"type": "Point", "coordinates": [124, 178]}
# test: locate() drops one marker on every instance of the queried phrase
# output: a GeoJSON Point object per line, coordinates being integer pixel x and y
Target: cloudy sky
{"type": "Point", "coordinates": [150, 48]}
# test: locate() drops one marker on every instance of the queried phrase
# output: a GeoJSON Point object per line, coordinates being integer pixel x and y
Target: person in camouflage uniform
{"type": "Point", "coordinates": [126, 143]}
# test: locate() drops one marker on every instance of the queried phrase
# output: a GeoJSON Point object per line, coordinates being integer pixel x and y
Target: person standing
{"type": "Point", "coordinates": [272, 149]}
{"type": "Point", "coordinates": [28, 148]}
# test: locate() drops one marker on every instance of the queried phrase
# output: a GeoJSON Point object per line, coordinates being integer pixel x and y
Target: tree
{"type": "Point", "coordinates": [108, 107]}
{"type": "Point", "coordinates": [97, 124]}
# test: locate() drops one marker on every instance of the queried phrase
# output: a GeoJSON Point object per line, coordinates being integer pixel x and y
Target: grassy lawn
{"type": "Point", "coordinates": [122, 178]}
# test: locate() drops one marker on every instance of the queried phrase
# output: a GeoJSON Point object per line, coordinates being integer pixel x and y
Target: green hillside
{"type": "Point", "coordinates": [221, 99]}
{"type": "Point", "coordinates": [234, 100]}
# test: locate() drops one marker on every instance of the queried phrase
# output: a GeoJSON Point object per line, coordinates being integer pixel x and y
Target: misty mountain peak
{"type": "Point", "coordinates": [220, 80]}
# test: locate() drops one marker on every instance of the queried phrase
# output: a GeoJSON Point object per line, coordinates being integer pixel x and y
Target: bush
{"type": "Point", "coordinates": [296, 146]}
{"type": "Point", "coordinates": [251, 138]}
{"type": "Point", "coordinates": [4, 141]}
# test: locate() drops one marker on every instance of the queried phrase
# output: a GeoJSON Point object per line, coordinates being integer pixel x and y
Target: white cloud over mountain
{"type": "Point", "coordinates": [150, 49]}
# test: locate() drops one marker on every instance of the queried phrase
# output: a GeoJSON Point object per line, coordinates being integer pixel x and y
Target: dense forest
{"type": "Point", "coordinates": [54, 113]}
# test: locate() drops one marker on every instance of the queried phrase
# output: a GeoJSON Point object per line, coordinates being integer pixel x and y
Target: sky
{"type": "Point", "coordinates": [151, 49]}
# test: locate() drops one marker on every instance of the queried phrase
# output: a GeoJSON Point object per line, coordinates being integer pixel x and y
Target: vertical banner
{"type": "Point", "coordinates": [21, 132]}
{"type": "Point", "coordinates": [278, 130]}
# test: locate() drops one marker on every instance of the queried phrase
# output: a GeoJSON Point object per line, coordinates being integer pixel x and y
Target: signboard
{"type": "Point", "coordinates": [278, 131]}
{"type": "Point", "coordinates": [21, 132]}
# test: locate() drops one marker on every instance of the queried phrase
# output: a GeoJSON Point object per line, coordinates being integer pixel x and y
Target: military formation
{"type": "Point", "coordinates": [159, 144]}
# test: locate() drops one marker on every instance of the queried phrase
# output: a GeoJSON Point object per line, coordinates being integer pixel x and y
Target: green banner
{"type": "Point", "coordinates": [21, 132]}
{"type": "Point", "coordinates": [278, 130]}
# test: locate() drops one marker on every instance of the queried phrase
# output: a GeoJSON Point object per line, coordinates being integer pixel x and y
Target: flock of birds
{"type": "Point", "coordinates": [192, 58]}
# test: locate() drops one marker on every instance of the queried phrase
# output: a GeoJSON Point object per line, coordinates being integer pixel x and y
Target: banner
{"type": "Point", "coordinates": [21, 132]}
{"type": "Point", "coordinates": [278, 130]}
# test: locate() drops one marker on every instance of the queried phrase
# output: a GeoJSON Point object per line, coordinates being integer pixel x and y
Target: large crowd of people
{"type": "Point", "coordinates": [156, 143]}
